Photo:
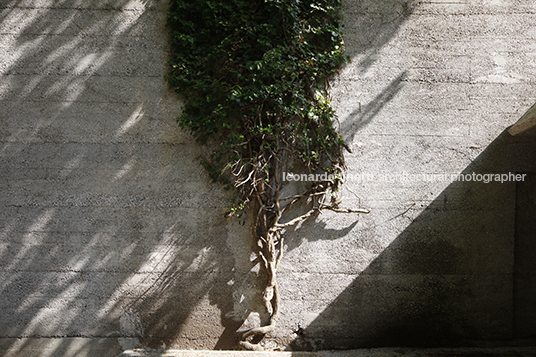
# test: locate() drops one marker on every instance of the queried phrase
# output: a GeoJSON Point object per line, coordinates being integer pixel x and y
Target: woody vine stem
{"type": "Point", "coordinates": [253, 75]}
{"type": "Point", "coordinates": [268, 233]}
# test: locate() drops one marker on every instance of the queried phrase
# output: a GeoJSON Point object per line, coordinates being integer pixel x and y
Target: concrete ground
{"type": "Point", "coordinates": [124, 347]}
{"type": "Point", "coordinates": [378, 352]}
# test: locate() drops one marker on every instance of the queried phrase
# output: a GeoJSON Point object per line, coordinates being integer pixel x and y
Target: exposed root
{"type": "Point", "coordinates": [244, 336]}
{"type": "Point", "coordinates": [270, 297]}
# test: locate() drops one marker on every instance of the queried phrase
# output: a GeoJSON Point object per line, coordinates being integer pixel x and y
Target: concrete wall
{"type": "Point", "coordinates": [109, 228]}
{"type": "Point", "coordinates": [112, 235]}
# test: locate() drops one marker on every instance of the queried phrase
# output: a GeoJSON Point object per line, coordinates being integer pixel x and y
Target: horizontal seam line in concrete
{"type": "Point", "coordinates": [88, 336]}
{"type": "Point", "coordinates": [420, 135]}
{"type": "Point", "coordinates": [102, 245]}
{"type": "Point", "coordinates": [119, 9]}
{"type": "Point", "coordinates": [134, 207]}
{"type": "Point", "coordinates": [424, 12]}
{"type": "Point", "coordinates": [476, 209]}
{"type": "Point", "coordinates": [48, 100]}
{"type": "Point", "coordinates": [76, 75]}
{"type": "Point", "coordinates": [79, 34]}
{"type": "Point", "coordinates": [138, 47]}
{"type": "Point", "coordinates": [99, 143]}
{"type": "Point", "coordinates": [384, 352]}
{"type": "Point", "coordinates": [61, 336]}
{"type": "Point", "coordinates": [70, 232]}
{"type": "Point", "coordinates": [123, 272]}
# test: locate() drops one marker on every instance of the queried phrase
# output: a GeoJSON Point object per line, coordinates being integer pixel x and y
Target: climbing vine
{"type": "Point", "coordinates": [253, 75]}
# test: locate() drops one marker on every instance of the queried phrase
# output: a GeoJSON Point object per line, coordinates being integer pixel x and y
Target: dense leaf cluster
{"type": "Point", "coordinates": [253, 77]}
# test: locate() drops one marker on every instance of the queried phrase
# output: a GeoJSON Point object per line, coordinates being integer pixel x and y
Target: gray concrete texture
{"type": "Point", "coordinates": [112, 236]}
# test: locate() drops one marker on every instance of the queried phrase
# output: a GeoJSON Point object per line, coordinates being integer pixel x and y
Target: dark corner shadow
{"type": "Point", "coordinates": [448, 279]}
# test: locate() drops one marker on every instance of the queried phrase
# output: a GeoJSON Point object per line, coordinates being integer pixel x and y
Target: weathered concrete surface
{"type": "Point", "coordinates": [112, 235]}
{"type": "Point", "coordinates": [109, 227]}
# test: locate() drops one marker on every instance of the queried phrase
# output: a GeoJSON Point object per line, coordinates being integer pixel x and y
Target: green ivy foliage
{"type": "Point", "coordinates": [253, 75]}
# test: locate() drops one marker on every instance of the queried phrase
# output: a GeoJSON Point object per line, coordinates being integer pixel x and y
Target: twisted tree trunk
{"type": "Point", "coordinates": [270, 257]}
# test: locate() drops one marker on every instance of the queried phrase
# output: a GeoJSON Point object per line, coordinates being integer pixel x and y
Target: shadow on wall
{"type": "Point", "coordinates": [448, 279]}
{"type": "Point", "coordinates": [369, 26]}
{"type": "Point", "coordinates": [361, 116]}
{"type": "Point", "coordinates": [109, 227]}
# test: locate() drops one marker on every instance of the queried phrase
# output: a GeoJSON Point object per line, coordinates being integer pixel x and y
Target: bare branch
{"type": "Point", "coordinates": [296, 220]}
{"type": "Point", "coordinates": [280, 256]}
{"type": "Point", "coordinates": [303, 196]}
{"type": "Point", "coordinates": [346, 210]}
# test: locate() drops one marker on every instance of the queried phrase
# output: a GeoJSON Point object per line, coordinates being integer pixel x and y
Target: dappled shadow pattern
{"type": "Point", "coordinates": [109, 227]}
